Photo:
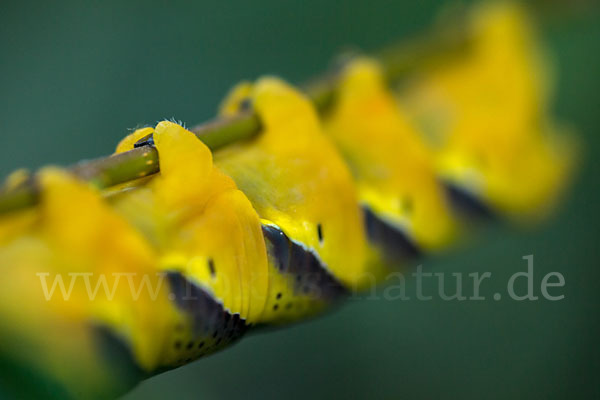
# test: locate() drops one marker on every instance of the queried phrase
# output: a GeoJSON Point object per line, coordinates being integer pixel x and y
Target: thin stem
{"type": "Point", "coordinates": [120, 168]}
{"type": "Point", "coordinates": [16, 199]}
{"type": "Point", "coordinates": [222, 132]}
{"type": "Point", "coordinates": [103, 173]}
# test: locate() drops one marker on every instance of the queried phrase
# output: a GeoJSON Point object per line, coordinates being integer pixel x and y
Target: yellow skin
{"type": "Point", "coordinates": [488, 136]}
{"type": "Point", "coordinates": [74, 231]}
{"type": "Point", "coordinates": [484, 115]}
{"type": "Point", "coordinates": [202, 227]}
{"type": "Point", "coordinates": [191, 213]}
{"type": "Point", "coordinates": [171, 223]}
{"type": "Point", "coordinates": [189, 220]}
{"type": "Point", "coordinates": [392, 167]}
{"type": "Point", "coordinates": [296, 181]}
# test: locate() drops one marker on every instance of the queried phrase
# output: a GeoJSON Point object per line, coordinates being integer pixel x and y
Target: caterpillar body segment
{"type": "Point", "coordinates": [287, 172]}
{"type": "Point", "coordinates": [209, 238]}
{"type": "Point", "coordinates": [299, 285]}
{"type": "Point", "coordinates": [504, 69]}
{"type": "Point", "coordinates": [406, 210]}
{"type": "Point", "coordinates": [198, 210]}
{"type": "Point", "coordinates": [68, 336]}
{"type": "Point", "coordinates": [486, 118]}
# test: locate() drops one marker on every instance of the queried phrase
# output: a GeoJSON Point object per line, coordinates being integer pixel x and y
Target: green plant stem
{"type": "Point", "coordinates": [397, 62]}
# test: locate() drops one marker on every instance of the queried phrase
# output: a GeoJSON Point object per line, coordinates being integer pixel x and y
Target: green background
{"type": "Point", "coordinates": [74, 76]}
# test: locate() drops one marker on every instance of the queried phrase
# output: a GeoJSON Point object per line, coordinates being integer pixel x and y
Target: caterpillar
{"type": "Point", "coordinates": [276, 228]}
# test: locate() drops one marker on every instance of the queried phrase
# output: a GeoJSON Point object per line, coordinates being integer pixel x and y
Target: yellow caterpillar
{"type": "Point", "coordinates": [485, 117]}
{"type": "Point", "coordinates": [102, 289]}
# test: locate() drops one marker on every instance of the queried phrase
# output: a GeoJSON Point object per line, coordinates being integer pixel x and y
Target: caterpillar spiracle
{"type": "Point", "coordinates": [102, 289]}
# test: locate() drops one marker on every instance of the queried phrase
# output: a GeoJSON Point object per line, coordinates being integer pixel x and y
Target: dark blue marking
{"type": "Point", "coordinates": [396, 247]}
{"type": "Point", "coordinates": [208, 316]}
{"type": "Point", "coordinates": [292, 259]}
{"type": "Point", "coordinates": [147, 140]}
{"type": "Point", "coordinates": [119, 357]}
{"type": "Point", "coordinates": [245, 104]}
{"type": "Point", "coordinates": [467, 203]}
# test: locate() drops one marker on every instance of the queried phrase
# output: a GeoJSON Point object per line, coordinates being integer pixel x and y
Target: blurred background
{"type": "Point", "coordinates": [75, 76]}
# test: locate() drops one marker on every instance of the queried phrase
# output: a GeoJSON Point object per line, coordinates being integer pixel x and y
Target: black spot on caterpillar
{"type": "Point", "coordinates": [320, 233]}
{"type": "Point", "coordinates": [211, 267]}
